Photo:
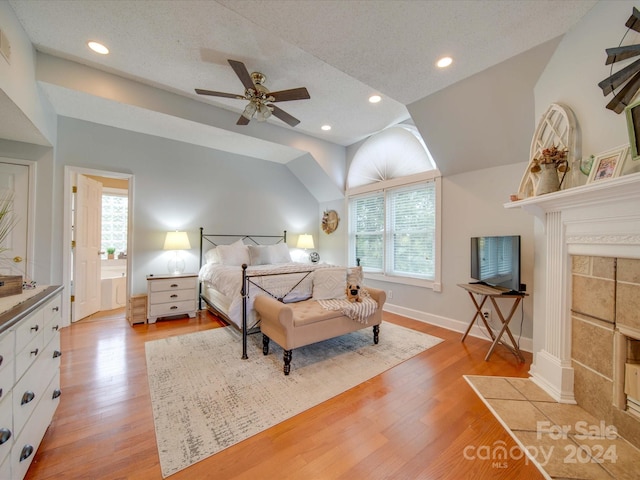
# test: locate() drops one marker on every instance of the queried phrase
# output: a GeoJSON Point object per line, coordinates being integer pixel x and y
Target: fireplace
{"type": "Point", "coordinates": [587, 296]}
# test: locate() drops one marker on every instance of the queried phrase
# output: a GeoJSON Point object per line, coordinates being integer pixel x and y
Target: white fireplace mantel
{"type": "Point", "coordinates": [599, 219]}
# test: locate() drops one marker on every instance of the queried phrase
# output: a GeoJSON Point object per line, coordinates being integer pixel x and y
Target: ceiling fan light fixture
{"type": "Point", "coordinates": [263, 113]}
{"type": "Point", "coordinates": [326, 128]}
{"type": "Point", "coordinates": [375, 98]}
{"type": "Point", "coordinates": [249, 110]}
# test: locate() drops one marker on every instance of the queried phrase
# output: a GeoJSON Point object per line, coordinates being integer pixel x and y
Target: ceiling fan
{"type": "Point", "coordinates": [260, 99]}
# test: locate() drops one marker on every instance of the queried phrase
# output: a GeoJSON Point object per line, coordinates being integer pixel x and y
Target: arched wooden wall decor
{"type": "Point", "coordinates": [556, 127]}
{"type": "Point", "coordinates": [330, 221]}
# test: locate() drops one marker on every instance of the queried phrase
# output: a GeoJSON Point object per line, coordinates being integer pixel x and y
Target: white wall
{"type": "Point", "coordinates": [182, 186]}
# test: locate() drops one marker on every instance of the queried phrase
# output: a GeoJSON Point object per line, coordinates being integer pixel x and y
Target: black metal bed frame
{"type": "Point", "coordinates": [247, 279]}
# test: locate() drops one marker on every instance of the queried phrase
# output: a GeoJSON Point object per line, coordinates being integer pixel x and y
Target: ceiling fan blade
{"type": "Point", "coordinates": [199, 91]}
{"type": "Point", "coordinates": [292, 94]}
{"type": "Point", "coordinates": [242, 120]}
{"type": "Point", "coordinates": [242, 73]}
{"type": "Point", "coordinates": [284, 116]}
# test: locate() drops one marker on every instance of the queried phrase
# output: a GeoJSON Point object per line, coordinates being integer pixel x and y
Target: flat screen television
{"type": "Point", "coordinates": [495, 261]}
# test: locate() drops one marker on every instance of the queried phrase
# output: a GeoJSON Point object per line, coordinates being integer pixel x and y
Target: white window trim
{"type": "Point", "coordinates": [433, 175]}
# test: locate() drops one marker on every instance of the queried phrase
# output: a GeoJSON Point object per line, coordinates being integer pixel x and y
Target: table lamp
{"type": "Point", "coordinates": [176, 241]}
{"type": "Point", "coordinates": [305, 241]}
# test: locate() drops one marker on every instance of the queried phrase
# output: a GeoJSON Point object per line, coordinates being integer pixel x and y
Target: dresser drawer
{"type": "Point", "coordinates": [7, 354]}
{"type": "Point", "coordinates": [27, 356]}
{"type": "Point", "coordinates": [29, 391]}
{"type": "Point", "coordinates": [28, 329]}
{"type": "Point", "coordinates": [168, 309]}
{"type": "Point", "coordinates": [6, 428]}
{"type": "Point", "coordinates": [167, 284]}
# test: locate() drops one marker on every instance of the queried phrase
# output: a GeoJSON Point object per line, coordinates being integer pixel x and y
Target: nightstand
{"type": "Point", "coordinates": [169, 295]}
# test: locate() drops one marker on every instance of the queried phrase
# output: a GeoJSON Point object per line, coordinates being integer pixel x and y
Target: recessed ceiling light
{"type": "Point", "coordinates": [444, 62]}
{"type": "Point", "coordinates": [375, 98]}
{"type": "Point", "coordinates": [98, 48]}
{"type": "Point", "coordinates": [326, 128]}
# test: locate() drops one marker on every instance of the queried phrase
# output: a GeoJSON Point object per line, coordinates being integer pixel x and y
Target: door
{"type": "Point", "coordinates": [87, 215]}
{"type": "Point", "coordinates": [14, 181]}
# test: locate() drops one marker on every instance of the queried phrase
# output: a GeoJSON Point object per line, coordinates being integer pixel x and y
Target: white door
{"type": "Point", "coordinates": [86, 255]}
{"type": "Point", "coordinates": [14, 181]}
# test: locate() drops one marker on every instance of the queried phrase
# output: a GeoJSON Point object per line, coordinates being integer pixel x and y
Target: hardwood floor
{"type": "Point", "coordinates": [415, 421]}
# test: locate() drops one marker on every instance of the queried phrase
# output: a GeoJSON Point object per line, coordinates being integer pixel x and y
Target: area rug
{"type": "Point", "coordinates": [562, 440]}
{"type": "Point", "coordinates": [205, 398]}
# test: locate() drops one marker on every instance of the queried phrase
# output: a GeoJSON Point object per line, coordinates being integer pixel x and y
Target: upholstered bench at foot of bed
{"type": "Point", "coordinates": [293, 325]}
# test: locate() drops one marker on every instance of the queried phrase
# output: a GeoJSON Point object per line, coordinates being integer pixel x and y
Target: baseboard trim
{"type": "Point", "coordinates": [526, 343]}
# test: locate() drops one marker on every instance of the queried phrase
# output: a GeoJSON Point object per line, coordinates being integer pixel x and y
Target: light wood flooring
{"type": "Point", "coordinates": [415, 421]}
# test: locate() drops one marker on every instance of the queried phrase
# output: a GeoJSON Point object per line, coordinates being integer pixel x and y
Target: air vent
{"type": "Point", "coordinates": [5, 48]}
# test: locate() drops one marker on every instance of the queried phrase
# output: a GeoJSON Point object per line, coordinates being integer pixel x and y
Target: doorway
{"type": "Point", "coordinates": [96, 281]}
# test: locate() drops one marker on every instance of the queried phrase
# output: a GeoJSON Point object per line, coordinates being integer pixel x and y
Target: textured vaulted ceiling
{"type": "Point", "coordinates": [342, 51]}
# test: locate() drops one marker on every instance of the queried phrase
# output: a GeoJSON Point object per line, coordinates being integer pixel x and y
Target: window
{"type": "Point", "coordinates": [393, 199]}
{"type": "Point", "coordinates": [393, 231]}
{"type": "Point", "coordinates": [114, 222]}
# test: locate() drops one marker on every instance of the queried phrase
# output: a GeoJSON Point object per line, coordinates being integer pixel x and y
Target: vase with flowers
{"type": "Point", "coordinates": [551, 162]}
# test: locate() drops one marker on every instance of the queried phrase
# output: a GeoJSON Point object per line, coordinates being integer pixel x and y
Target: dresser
{"type": "Point", "coordinates": [29, 376]}
{"type": "Point", "coordinates": [170, 295]}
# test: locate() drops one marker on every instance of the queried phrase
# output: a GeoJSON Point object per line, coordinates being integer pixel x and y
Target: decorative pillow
{"type": "Point", "coordinates": [211, 256]}
{"type": "Point", "coordinates": [279, 253]}
{"type": "Point", "coordinates": [234, 254]}
{"type": "Point", "coordinates": [259, 254]}
{"type": "Point", "coordinates": [329, 283]}
{"type": "Point", "coordinates": [355, 276]}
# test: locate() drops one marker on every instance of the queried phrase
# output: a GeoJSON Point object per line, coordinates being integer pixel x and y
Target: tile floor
{"type": "Point", "coordinates": [564, 441]}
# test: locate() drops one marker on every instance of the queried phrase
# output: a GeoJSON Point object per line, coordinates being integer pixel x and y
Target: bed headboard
{"type": "Point", "coordinates": [210, 240]}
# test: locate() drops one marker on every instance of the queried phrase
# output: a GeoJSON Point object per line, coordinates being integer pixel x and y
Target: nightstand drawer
{"type": "Point", "coordinates": [172, 296]}
{"type": "Point", "coordinates": [167, 309]}
{"type": "Point", "coordinates": [169, 284]}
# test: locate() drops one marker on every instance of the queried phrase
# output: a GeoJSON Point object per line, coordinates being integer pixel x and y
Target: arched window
{"type": "Point", "coordinates": [393, 192]}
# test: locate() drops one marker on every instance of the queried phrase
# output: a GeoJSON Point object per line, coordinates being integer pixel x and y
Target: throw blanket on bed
{"type": "Point", "coordinates": [358, 311]}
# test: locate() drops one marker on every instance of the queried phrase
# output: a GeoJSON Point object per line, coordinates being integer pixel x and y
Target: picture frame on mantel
{"type": "Point", "coordinates": [632, 112]}
{"type": "Point", "coordinates": [608, 164]}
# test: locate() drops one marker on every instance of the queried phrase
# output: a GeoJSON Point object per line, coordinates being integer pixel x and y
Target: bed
{"type": "Point", "coordinates": [234, 269]}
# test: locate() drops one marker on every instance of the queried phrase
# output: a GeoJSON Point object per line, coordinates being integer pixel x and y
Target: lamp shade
{"type": "Point", "coordinates": [177, 241]}
{"type": "Point", "coordinates": [305, 241]}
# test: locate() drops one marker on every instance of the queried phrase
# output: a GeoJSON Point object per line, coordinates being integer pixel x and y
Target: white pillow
{"type": "Point", "coordinates": [211, 256]}
{"type": "Point", "coordinates": [259, 254]}
{"type": "Point", "coordinates": [279, 253]}
{"type": "Point", "coordinates": [329, 283]}
{"type": "Point", "coordinates": [355, 276]}
{"type": "Point", "coordinates": [234, 254]}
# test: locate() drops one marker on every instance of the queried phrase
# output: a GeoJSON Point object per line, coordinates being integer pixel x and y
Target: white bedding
{"type": "Point", "coordinates": [227, 280]}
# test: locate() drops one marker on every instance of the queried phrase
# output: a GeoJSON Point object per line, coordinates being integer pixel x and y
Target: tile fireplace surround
{"type": "Point", "coordinates": [587, 276]}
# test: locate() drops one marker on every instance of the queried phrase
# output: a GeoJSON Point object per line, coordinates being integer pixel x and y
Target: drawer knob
{"type": "Point", "coordinates": [34, 352]}
{"type": "Point", "coordinates": [175, 295]}
{"type": "Point", "coordinates": [57, 353]}
{"type": "Point", "coordinates": [54, 328]}
{"type": "Point", "coordinates": [27, 450]}
{"type": "Point", "coordinates": [1, 359]}
{"type": "Point", "coordinates": [1, 392]}
{"type": "Point", "coordinates": [27, 397]}
{"type": "Point", "coordinates": [5, 435]}
{"type": "Point", "coordinates": [173, 307]}
{"type": "Point", "coordinates": [174, 285]}
{"type": "Point", "coordinates": [35, 327]}
{"type": "Point", "coordinates": [56, 393]}
{"type": "Point", "coordinates": [55, 309]}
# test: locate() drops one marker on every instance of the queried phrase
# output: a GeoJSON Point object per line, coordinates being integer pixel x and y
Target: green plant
{"type": "Point", "coordinates": [8, 219]}
{"type": "Point", "coordinates": [111, 250]}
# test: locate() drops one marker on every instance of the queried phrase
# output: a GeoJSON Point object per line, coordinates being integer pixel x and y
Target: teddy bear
{"type": "Point", "coordinates": [353, 293]}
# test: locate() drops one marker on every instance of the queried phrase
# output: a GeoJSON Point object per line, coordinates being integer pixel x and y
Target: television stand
{"type": "Point", "coordinates": [486, 292]}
